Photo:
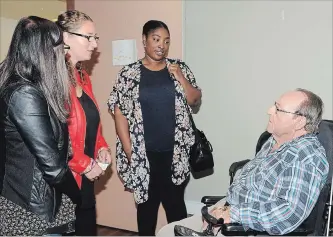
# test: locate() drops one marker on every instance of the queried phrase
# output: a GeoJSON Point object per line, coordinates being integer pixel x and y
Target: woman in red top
{"type": "Point", "coordinates": [87, 142]}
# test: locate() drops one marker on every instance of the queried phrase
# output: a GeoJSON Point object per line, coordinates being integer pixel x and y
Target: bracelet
{"type": "Point", "coordinates": [92, 165]}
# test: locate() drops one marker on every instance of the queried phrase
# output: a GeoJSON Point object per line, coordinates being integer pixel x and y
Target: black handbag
{"type": "Point", "coordinates": [201, 152]}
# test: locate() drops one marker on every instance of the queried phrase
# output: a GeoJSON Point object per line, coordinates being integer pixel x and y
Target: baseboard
{"type": "Point", "coordinates": [193, 207]}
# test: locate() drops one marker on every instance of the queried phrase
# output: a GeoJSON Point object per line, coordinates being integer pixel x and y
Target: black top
{"type": "Point", "coordinates": [92, 121]}
{"type": "Point", "coordinates": [157, 99]}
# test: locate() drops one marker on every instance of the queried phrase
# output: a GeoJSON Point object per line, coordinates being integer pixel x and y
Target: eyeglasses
{"type": "Point", "coordinates": [287, 112]}
{"type": "Point", "coordinates": [88, 37]}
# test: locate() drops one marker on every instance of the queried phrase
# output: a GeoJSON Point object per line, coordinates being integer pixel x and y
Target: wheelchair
{"type": "Point", "coordinates": [317, 223]}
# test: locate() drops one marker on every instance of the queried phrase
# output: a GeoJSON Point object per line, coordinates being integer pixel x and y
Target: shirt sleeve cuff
{"type": "Point", "coordinates": [234, 214]}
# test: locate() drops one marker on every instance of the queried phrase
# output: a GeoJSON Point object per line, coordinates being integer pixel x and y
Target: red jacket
{"type": "Point", "coordinates": [77, 130]}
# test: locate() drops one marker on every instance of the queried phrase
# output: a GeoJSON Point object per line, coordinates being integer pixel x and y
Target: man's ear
{"type": "Point", "coordinates": [301, 122]}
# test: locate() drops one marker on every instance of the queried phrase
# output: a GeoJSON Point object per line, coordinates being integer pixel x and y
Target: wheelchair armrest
{"type": "Point", "coordinates": [236, 229]}
{"type": "Point", "coordinates": [236, 166]}
{"type": "Point", "coordinates": [211, 200]}
{"type": "Point", "coordinates": [209, 218]}
{"type": "Point", "coordinates": [301, 231]}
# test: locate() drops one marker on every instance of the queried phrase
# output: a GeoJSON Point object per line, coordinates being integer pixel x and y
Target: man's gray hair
{"type": "Point", "coordinates": [312, 109]}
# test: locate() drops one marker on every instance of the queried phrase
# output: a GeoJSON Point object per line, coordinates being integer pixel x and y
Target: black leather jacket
{"type": "Point", "coordinates": [33, 152]}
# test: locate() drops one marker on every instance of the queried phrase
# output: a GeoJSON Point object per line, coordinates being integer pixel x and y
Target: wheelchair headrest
{"type": "Point", "coordinates": [325, 137]}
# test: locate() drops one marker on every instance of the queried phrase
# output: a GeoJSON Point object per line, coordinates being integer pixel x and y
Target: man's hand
{"type": "Point", "coordinates": [219, 212]}
{"type": "Point", "coordinates": [226, 215]}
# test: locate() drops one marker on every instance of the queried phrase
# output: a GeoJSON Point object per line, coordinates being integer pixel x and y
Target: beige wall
{"type": "Point", "coordinates": [13, 10]}
{"type": "Point", "coordinates": [7, 27]}
{"type": "Point", "coordinates": [123, 20]}
{"type": "Point", "coordinates": [259, 50]}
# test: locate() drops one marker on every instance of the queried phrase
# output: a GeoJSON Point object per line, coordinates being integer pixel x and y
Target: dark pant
{"type": "Point", "coordinates": [161, 190]}
{"type": "Point", "coordinates": [85, 224]}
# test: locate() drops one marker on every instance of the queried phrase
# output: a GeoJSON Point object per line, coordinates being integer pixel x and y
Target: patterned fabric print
{"type": "Point", "coordinates": [15, 220]}
{"type": "Point", "coordinates": [125, 95]}
{"type": "Point", "coordinates": [184, 231]}
{"type": "Point", "coordinates": [275, 192]}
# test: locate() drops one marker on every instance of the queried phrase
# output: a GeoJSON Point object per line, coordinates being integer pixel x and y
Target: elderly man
{"type": "Point", "coordinates": [276, 191]}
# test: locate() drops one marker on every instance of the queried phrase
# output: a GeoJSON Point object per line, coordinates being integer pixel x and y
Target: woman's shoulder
{"type": "Point", "coordinates": [130, 67]}
{"type": "Point", "coordinates": [21, 87]}
{"type": "Point", "coordinates": [22, 94]}
{"type": "Point", "coordinates": [129, 72]}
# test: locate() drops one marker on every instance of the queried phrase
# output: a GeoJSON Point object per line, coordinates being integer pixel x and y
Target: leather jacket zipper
{"type": "Point", "coordinates": [54, 201]}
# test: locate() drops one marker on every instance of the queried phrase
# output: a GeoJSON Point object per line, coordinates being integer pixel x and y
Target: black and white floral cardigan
{"type": "Point", "coordinates": [125, 95]}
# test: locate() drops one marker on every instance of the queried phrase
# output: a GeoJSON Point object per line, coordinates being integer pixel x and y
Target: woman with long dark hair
{"type": "Point", "coordinates": [37, 188]}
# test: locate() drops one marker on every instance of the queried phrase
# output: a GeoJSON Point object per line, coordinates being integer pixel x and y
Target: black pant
{"type": "Point", "coordinates": [85, 224]}
{"type": "Point", "coordinates": [161, 190]}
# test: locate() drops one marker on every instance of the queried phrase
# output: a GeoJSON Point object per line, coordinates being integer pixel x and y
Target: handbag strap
{"type": "Point", "coordinates": [189, 112]}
